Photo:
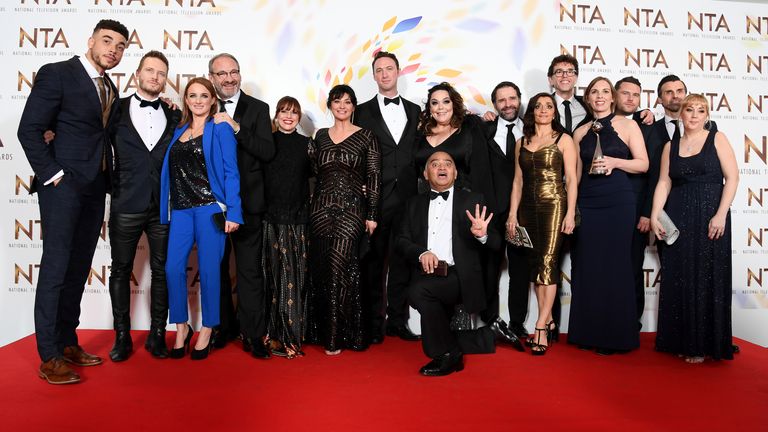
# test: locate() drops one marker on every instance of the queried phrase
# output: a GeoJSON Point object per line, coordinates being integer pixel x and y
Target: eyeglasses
{"type": "Point", "coordinates": [233, 73]}
{"type": "Point", "coordinates": [565, 72]}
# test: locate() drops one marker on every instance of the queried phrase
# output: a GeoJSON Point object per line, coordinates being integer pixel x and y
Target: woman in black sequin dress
{"type": "Point", "coordinates": [347, 161]}
{"type": "Point", "coordinates": [286, 272]}
{"type": "Point", "coordinates": [697, 182]}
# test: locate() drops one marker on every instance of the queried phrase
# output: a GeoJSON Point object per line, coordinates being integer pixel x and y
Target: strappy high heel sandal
{"type": "Point", "coordinates": [538, 349]}
{"type": "Point", "coordinates": [553, 332]}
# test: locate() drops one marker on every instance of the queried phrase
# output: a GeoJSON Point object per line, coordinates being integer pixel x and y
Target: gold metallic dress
{"type": "Point", "coordinates": [542, 209]}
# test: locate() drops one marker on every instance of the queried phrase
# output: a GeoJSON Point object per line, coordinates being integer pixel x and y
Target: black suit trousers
{"type": "Point", "coordinates": [251, 297]}
{"type": "Point", "coordinates": [381, 264]}
{"type": "Point", "coordinates": [435, 297]}
{"type": "Point", "coordinates": [518, 268]}
{"type": "Point", "coordinates": [71, 216]}
{"type": "Point", "coordinates": [125, 231]}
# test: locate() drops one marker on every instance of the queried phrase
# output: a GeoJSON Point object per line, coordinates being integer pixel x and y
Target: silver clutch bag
{"type": "Point", "coordinates": [672, 233]}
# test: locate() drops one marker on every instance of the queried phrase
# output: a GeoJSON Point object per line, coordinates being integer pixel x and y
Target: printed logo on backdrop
{"type": "Point", "coordinates": [756, 28]}
{"type": "Point", "coordinates": [719, 106]}
{"type": "Point", "coordinates": [4, 156]}
{"type": "Point", "coordinates": [163, 7]}
{"type": "Point", "coordinates": [46, 6]}
{"type": "Point", "coordinates": [645, 21]}
{"type": "Point", "coordinates": [26, 274]}
{"type": "Point", "coordinates": [48, 41]}
{"type": "Point", "coordinates": [757, 107]}
{"type": "Point", "coordinates": [755, 156]}
{"type": "Point", "coordinates": [590, 57]}
{"type": "Point", "coordinates": [645, 62]}
{"type": "Point", "coordinates": [757, 67]}
{"type": "Point", "coordinates": [21, 187]}
{"type": "Point", "coordinates": [757, 241]}
{"type": "Point", "coordinates": [708, 25]}
{"type": "Point", "coordinates": [757, 200]}
{"type": "Point", "coordinates": [581, 16]}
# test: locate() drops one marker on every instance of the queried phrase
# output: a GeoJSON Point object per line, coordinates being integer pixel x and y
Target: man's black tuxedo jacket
{"type": "Point", "coordinates": [136, 170]}
{"type": "Point", "coordinates": [398, 174]}
{"type": "Point", "coordinates": [412, 242]}
{"type": "Point", "coordinates": [254, 147]}
{"type": "Point", "coordinates": [64, 99]}
{"type": "Point", "coordinates": [502, 169]}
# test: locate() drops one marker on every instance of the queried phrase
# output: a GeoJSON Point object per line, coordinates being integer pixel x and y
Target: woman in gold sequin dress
{"type": "Point", "coordinates": [542, 203]}
{"type": "Point", "coordinates": [344, 207]}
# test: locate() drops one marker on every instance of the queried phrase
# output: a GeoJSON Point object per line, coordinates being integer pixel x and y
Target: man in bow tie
{"type": "Point", "coordinates": [140, 132]}
{"type": "Point", "coordinates": [249, 117]}
{"type": "Point", "coordinates": [74, 99]}
{"type": "Point", "coordinates": [446, 227]}
{"type": "Point", "coordinates": [393, 119]}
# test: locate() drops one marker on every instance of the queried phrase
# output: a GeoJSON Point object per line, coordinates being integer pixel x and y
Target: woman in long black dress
{"type": "Point", "coordinates": [603, 314]}
{"type": "Point", "coordinates": [695, 295]}
{"type": "Point", "coordinates": [446, 125]}
{"type": "Point", "coordinates": [344, 207]}
{"type": "Point", "coordinates": [546, 205]}
{"type": "Point", "coordinates": [285, 232]}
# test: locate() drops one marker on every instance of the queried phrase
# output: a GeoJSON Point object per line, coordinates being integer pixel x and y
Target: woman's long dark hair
{"type": "Point", "coordinates": [427, 123]}
{"type": "Point", "coordinates": [529, 121]}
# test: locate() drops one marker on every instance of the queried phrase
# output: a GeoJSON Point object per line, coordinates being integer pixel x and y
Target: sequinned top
{"type": "Point", "coordinates": [189, 177]}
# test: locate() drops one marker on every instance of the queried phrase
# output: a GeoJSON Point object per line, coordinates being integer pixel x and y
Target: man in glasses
{"type": "Point", "coordinates": [563, 73]}
{"type": "Point", "coordinates": [249, 117]}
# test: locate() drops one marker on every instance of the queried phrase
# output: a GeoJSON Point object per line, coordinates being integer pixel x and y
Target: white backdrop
{"type": "Point", "coordinates": [302, 48]}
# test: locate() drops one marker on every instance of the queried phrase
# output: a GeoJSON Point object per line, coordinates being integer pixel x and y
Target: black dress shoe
{"type": "Point", "coordinates": [605, 351]}
{"type": "Point", "coordinates": [377, 339]}
{"type": "Point", "coordinates": [123, 346]}
{"type": "Point", "coordinates": [446, 364]}
{"type": "Point", "coordinates": [247, 344]}
{"type": "Point", "coordinates": [518, 330]}
{"type": "Point", "coordinates": [156, 343]}
{"type": "Point", "coordinates": [218, 338]}
{"type": "Point", "coordinates": [258, 349]}
{"type": "Point", "coordinates": [503, 334]}
{"type": "Point", "coordinates": [404, 333]}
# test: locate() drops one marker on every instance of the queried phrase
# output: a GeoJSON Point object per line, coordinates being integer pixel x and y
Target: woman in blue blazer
{"type": "Point", "coordinates": [200, 198]}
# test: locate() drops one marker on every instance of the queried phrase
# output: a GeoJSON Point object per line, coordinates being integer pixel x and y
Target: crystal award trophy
{"type": "Point", "coordinates": [596, 128]}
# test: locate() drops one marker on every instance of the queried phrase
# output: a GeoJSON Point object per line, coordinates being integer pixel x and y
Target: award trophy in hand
{"type": "Point", "coordinates": [596, 128]}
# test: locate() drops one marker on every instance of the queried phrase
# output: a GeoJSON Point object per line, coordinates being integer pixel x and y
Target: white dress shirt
{"type": "Point", "coordinates": [440, 226]}
{"type": "Point", "coordinates": [230, 107]}
{"type": "Point", "coordinates": [501, 132]}
{"type": "Point", "coordinates": [671, 126]}
{"type": "Point", "coordinates": [578, 113]}
{"type": "Point", "coordinates": [149, 122]}
{"type": "Point", "coordinates": [394, 116]}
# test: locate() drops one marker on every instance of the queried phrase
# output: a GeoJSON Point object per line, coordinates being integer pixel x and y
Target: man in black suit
{"type": "Point", "coordinates": [445, 229]}
{"type": "Point", "coordinates": [628, 91]}
{"type": "Point", "coordinates": [502, 133]}
{"type": "Point", "coordinates": [563, 73]}
{"type": "Point", "coordinates": [73, 99]}
{"type": "Point", "coordinates": [140, 132]}
{"type": "Point", "coordinates": [249, 117]}
{"type": "Point", "coordinates": [394, 120]}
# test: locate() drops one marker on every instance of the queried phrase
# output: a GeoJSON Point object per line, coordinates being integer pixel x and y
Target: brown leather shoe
{"type": "Point", "coordinates": [75, 355]}
{"type": "Point", "coordinates": [56, 371]}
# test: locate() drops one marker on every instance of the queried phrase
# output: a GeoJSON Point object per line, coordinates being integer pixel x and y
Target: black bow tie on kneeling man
{"type": "Point", "coordinates": [395, 101]}
{"type": "Point", "coordinates": [443, 194]}
{"type": "Point", "coordinates": [145, 103]}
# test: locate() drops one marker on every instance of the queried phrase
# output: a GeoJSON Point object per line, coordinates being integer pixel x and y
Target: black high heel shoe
{"type": "Point", "coordinates": [538, 349]}
{"type": "Point", "coordinates": [203, 353]}
{"type": "Point", "coordinates": [553, 333]}
{"type": "Point", "coordinates": [177, 353]}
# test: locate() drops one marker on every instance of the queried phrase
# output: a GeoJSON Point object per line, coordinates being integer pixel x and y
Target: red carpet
{"type": "Point", "coordinates": [381, 390]}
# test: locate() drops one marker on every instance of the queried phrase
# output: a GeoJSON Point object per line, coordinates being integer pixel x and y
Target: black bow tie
{"type": "Point", "coordinates": [145, 103]}
{"type": "Point", "coordinates": [443, 194]}
{"type": "Point", "coordinates": [395, 101]}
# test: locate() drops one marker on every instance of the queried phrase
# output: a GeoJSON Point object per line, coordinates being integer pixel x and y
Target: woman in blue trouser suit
{"type": "Point", "coordinates": [199, 179]}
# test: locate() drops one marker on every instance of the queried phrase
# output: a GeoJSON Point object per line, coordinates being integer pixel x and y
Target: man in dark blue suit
{"type": "Point", "coordinates": [72, 98]}
{"type": "Point", "coordinates": [140, 131]}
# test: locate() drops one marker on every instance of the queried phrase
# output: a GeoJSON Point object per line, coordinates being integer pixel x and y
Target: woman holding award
{"type": "Point", "coordinates": [542, 204]}
{"type": "Point", "coordinates": [603, 315]}
{"type": "Point", "coordinates": [697, 182]}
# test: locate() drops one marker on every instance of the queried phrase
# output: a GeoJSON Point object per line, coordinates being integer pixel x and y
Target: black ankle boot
{"type": "Point", "coordinates": [123, 346]}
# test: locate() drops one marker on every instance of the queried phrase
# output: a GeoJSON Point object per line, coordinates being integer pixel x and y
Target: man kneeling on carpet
{"type": "Point", "coordinates": [444, 231]}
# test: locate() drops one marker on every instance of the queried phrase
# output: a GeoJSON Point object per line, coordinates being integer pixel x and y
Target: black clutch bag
{"type": "Point", "coordinates": [220, 220]}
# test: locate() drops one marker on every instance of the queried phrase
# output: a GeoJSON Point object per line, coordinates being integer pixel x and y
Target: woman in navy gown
{"type": "Point", "coordinates": [695, 294]}
{"type": "Point", "coordinates": [603, 315]}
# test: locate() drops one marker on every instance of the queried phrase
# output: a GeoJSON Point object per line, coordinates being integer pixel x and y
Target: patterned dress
{"type": "Point", "coordinates": [339, 210]}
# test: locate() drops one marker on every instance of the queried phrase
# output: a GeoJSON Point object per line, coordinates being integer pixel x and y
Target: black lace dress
{"type": "Point", "coordinates": [286, 274]}
{"type": "Point", "coordinates": [695, 293]}
{"type": "Point", "coordinates": [338, 214]}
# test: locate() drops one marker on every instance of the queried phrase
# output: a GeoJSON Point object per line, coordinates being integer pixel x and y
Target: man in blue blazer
{"type": "Point", "coordinates": [73, 99]}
